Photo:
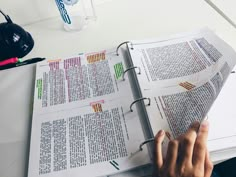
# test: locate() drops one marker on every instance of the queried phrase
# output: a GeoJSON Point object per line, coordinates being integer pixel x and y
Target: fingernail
{"type": "Point", "coordinates": [160, 133]}
{"type": "Point", "coordinates": [195, 125]}
{"type": "Point", "coordinates": [205, 123]}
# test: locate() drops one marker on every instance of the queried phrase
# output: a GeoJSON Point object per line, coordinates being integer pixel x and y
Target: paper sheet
{"type": "Point", "coordinates": [222, 118]}
{"type": "Point", "coordinates": [183, 75]}
{"type": "Point", "coordinates": [82, 123]}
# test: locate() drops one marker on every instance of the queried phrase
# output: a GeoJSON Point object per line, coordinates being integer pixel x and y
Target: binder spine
{"type": "Point", "coordinates": [134, 67]}
{"type": "Point", "coordinates": [126, 42]}
{"type": "Point", "coordinates": [137, 100]}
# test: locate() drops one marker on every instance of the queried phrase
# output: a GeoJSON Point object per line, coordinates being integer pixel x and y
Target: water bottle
{"type": "Point", "coordinates": [76, 14]}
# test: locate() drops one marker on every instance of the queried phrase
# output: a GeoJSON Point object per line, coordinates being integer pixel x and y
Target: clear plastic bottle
{"type": "Point", "coordinates": [76, 14]}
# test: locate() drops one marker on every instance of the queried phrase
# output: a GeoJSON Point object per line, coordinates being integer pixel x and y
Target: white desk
{"type": "Point", "coordinates": [225, 8]}
{"type": "Point", "coordinates": [118, 21]}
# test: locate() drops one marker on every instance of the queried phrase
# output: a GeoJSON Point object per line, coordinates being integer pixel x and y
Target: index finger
{"type": "Point", "coordinates": [187, 142]}
{"type": "Point", "coordinates": [158, 141]}
{"type": "Point", "coordinates": [199, 152]}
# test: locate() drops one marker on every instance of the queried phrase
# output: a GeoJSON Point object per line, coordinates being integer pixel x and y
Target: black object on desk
{"type": "Point", "coordinates": [14, 40]}
{"type": "Point", "coordinates": [26, 62]}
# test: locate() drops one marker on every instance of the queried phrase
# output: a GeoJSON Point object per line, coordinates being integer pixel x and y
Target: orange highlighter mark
{"type": "Point", "coordinates": [97, 106]}
{"type": "Point", "coordinates": [187, 85]}
{"type": "Point", "coordinates": [54, 60]}
{"type": "Point", "coordinates": [95, 57]}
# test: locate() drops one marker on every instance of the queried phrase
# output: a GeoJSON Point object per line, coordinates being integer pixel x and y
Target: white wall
{"type": "Point", "coordinates": [27, 11]}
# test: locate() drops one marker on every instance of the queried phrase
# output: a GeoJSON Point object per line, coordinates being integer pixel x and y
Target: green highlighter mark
{"type": "Point", "coordinates": [40, 88]}
{"type": "Point", "coordinates": [118, 70]}
{"type": "Point", "coordinates": [114, 164]}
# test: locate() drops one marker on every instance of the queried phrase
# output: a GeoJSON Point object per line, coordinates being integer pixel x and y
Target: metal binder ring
{"type": "Point", "coordinates": [123, 77]}
{"type": "Point", "coordinates": [120, 46]}
{"type": "Point", "coordinates": [140, 99]}
{"type": "Point", "coordinates": [145, 142]}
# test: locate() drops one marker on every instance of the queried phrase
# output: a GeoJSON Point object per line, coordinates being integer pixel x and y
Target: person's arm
{"type": "Point", "coordinates": [187, 156]}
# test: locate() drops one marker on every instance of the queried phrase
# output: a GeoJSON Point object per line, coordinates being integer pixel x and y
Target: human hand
{"type": "Point", "coordinates": [187, 156]}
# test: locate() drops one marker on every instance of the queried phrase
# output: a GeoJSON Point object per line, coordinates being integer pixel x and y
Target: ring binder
{"type": "Point", "coordinates": [140, 99]}
{"type": "Point", "coordinates": [145, 142]}
{"type": "Point", "coordinates": [121, 45]}
{"type": "Point", "coordinates": [134, 67]}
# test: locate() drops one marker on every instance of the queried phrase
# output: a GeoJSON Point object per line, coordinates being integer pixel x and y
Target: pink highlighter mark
{"type": "Point", "coordinates": [100, 101]}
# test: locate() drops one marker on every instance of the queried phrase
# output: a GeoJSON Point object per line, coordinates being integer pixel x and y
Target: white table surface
{"type": "Point", "coordinates": [118, 21]}
{"type": "Point", "coordinates": [226, 8]}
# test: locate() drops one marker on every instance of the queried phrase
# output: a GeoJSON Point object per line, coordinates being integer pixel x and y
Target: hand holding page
{"type": "Point", "coordinates": [183, 76]}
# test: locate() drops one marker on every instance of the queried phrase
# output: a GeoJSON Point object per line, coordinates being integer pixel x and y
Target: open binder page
{"type": "Point", "coordinates": [82, 125]}
{"type": "Point", "coordinates": [222, 135]}
{"type": "Point", "coordinates": [77, 80]}
{"type": "Point", "coordinates": [182, 76]}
